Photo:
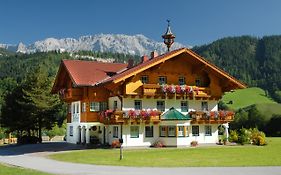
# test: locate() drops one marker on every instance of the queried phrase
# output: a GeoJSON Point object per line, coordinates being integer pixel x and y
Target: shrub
{"type": "Point", "coordinates": [28, 140]}
{"type": "Point", "coordinates": [158, 144]}
{"type": "Point", "coordinates": [193, 143]}
{"type": "Point", "coordinates": [115, 144]}
{"type": "Point", "coordinates": [233, 136]}
{"type": "Point", "coordinates": [244, 136]}
{"type": "Point", "coordinates": [257, 137]}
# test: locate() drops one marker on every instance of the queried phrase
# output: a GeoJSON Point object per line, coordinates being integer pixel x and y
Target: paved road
{"type": "Point", "coordinates": [33, 157]}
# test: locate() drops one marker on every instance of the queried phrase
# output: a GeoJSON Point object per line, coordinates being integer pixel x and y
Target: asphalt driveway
{"type": "Point", "coordinates": [34, 157]}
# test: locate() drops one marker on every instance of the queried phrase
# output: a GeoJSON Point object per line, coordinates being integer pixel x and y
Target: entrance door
{"type": "Point", "coordinates": [79, 135]}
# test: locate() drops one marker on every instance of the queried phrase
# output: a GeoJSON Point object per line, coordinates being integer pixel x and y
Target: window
{"type": "Point", "coordinates": [98, 106]}
{"type": "Point", "coordinates": [103, 106]}
{"type": "Point", "coordinates": [160, 106]}
{"type": "Point", "coordinates": [184, 106]}
{"type": "Point", "coordinates": [162, 80]}
{"type": "Point", "coordinates": [134, 131]}
{"type": "Point", "coordinates": [181, 80]}
{"type": "Point", "coordinates": [70, 130]}
{"type": "Point", "coordinates": [162, 131]}
{"type": "Point", "coordinates": [138, 104]}
{"type": "Point", "coordinates": [94, 106]}
{"type": "Point", "coordinates": [197, 82]}
{"type": "Point", "coordinates": [69, 108]}
{"type": "Point", "coordinates": [73, 108]}
{"type": "Point", "coordinates": [83, 107]}
{"type": "Point", "coordinates": [115, 106]}
{"type": "Point", "coordinates": [180, 131]}
{"type": "Point", "coordinates": [204, 106]}
{"type": "Point", "coordinates": [148, 131]}
{"type": "Point", "coordinates": [144, 79]}
{"type": "Point", "coordinates": [208, 130]}
{"type": "Point", "coordinates": [171, 131]}
{"type": "Point", "coordinates": [115, 132]}
{"type": "Point", "coordinates": [77, 107]}
{"type": "Point", "coordinates": [195, 130]}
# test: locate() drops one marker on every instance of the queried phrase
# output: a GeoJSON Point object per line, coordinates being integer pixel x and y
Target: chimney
{"type": "Point", "coordinates": [144, 59]}
{"type": "Point", "coordinates": [153, 54]}
{"type": "Point", "coordinates": [130, 63]}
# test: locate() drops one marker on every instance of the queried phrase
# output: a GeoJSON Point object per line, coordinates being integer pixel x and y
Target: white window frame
{"type": "Point", "coordinates": [94, 106]}
{"type": "Point", "coordinates": [162, 80]}
{"type": "Point", "coordinates": [184, 108]}
{"type": "Point", "coordinates": [149, 133]}
{"type": "Point", "coordinates": [204, 106]}
{"type": "Point", "coordinates": [180, 131]}
{"type": "Point", "coordinates": [134, 131]}
{"type": "Point", "coordinates": [182, 80]}
{"type": "Point", "coordinates": [138, 106]}
{"type": "Point", "coordinates": [144, 79]}
{"type": "Point", "coordinates": [83, 107]}
{"type": "Point", "coordinates": [115, 132]}
{"type": "Point", "coordinates": [160, 107]}
{"type": "Point", "coordinates": [208, 130]}
{"type": "Point", "coordinates": [163, 131]}
{"type": "Point", "coordinates": [171, 131]}
{"type": "Point", "coordinates": [195, 131]}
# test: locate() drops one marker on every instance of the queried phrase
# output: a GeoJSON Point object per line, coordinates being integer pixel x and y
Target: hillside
{"type": "Point", "coordinates": [246, 97]}
{"type": "Point", "coordinates": [255, 61]}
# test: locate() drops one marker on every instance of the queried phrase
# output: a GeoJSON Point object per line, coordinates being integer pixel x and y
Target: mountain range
{"type": "Point", "coordinates": [116, 43]}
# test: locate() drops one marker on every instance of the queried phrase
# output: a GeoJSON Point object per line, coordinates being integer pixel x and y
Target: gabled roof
{"type": "Point", "coordinates": [162, 58]}
{"type": "Point", "coordinates": [173, 114]}
{"type": "Point", "coordinates": [87, 73]}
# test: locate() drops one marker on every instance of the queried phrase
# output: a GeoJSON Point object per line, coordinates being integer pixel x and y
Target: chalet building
{"type": "Point", "coordinates": [172, 98]}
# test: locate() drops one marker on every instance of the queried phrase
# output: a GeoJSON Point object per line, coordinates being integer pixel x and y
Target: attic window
{"type": "Point", "coordinates": [110, 73]}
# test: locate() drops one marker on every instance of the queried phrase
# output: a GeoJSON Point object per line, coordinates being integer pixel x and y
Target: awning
{"type": "Point", "coordinates": [173, 114]}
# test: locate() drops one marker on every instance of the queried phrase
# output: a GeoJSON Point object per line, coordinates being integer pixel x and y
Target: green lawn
{"type": "Point", "coordinates": [245, 97]}
{"type": "Point", "coordinates": [172, 157]}
{"type": "Point", "coordinates": [11, 170]}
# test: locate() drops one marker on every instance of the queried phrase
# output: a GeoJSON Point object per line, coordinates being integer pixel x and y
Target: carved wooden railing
{"type": "Point", "coordinates": [184, 90]}
{"type": "Point", "coordinates": [211, 116]}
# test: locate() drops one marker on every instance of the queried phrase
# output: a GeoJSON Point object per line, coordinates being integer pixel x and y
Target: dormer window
{"type": "Point", "coordinates": [181, 80]}
{"type": "Point", "coordinates": [144, 79]}
{"type": "Point", "coordinates": [162, 80]}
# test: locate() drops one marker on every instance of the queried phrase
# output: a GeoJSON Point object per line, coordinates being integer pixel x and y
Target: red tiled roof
{"type": "Point", "coordinates": [89, 73]}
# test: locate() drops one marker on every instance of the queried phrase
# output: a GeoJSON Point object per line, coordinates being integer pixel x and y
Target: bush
{"type": "Point", "coordinates": [28, 140]}
{"type": "Point", "coordinates": [233, 136]}
{"type": "Point", "coordinates": [257, 137]}
{"type": "Point", "coordinates": [244, 136]}
{"type": "Point", "coordinates": [193, 143]}
{"type": "Point", "coordinates": [159, 144]}
{"type": "Point", "coordinates": [115, 144]}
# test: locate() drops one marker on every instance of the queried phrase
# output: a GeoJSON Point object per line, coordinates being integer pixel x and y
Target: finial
{"type": "Point", "coordinates": [168, 36]}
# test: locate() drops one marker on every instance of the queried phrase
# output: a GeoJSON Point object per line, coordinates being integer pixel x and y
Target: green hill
{"type": "Point", "coordinates": [268, 109]}
{"type": "Point", "coordinates": [246, 97]}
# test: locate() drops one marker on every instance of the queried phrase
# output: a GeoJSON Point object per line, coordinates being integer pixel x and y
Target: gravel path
{"type": "Point", "coordinates": [33, 157]}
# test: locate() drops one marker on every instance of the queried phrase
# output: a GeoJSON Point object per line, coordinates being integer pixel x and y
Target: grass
{"type": "Point", "coordinates": [245, 97]}
{"type": "Point", "coordinates": [171, 157]}
{"type": "Point", "coordinates": [11, 170]}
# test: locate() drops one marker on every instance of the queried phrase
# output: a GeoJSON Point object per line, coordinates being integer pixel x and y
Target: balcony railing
{"type": "Point", "coordinates": [132, 116]}
{"type": "Point", "coordinates": [155, 89]}
{"type": "Point", "coordinates": [211, 116]}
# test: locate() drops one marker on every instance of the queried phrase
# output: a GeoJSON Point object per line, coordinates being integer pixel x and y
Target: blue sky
{"type": "Point", "coordinates": [194, 22]}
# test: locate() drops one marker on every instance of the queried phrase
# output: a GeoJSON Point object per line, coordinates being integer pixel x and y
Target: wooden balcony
{"type": "Point", "coordinates": [212, 117]}
{"type": "Point", "coordinates": [191, 91]}
{"type": "Point", "coordinates": [122, 117]}
{"type": "Point", "coordinates": [70, 94]}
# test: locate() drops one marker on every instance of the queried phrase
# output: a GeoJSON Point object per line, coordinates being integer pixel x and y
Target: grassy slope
{"type": "Point", "coordinates": [246, 97]}
{"type": "Point", "coordinates": [10, 170]}
{"type": "Point", "coordinates": [202, 156]}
